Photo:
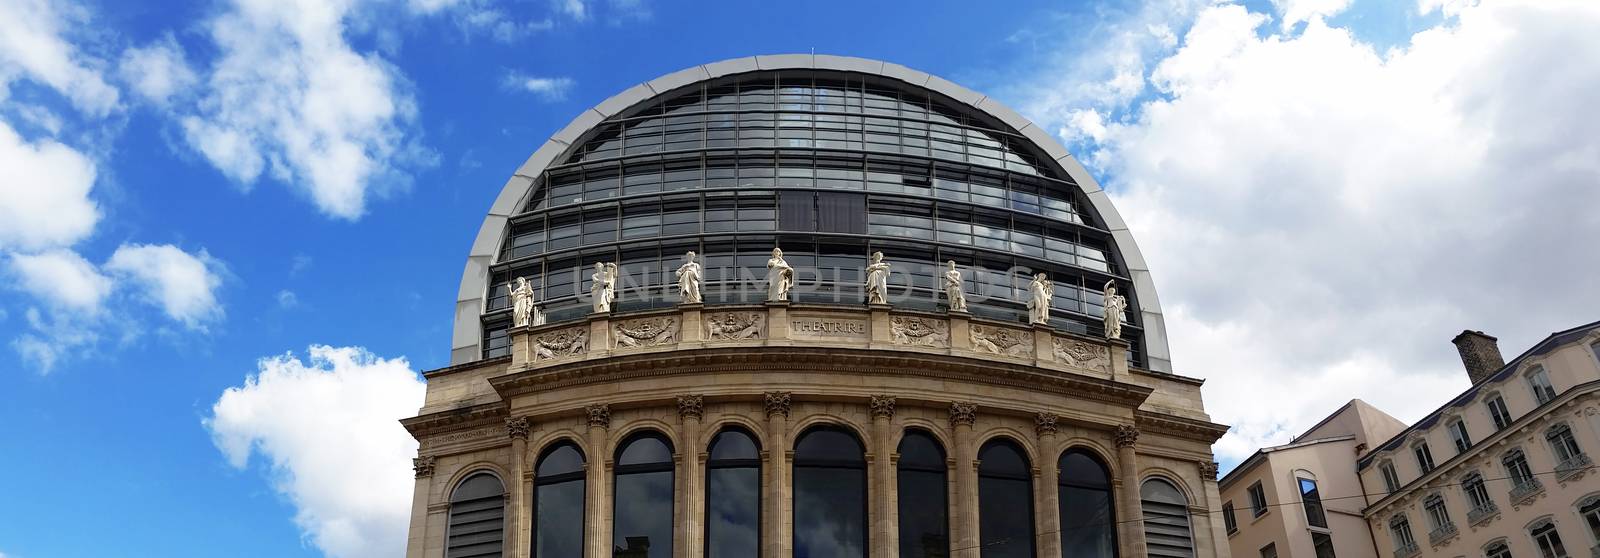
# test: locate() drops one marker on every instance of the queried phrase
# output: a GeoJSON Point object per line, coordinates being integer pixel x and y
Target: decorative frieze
{"type": "Point", "coordinates": [882, 406]}
{"type": "Point", "coordinates": [827, 327]}
{"type": "Point", "coordinates": [517, 428]}
{"type": "Point", "coordinates": [1002, 341]}
{"type": "Point", "coordinates": [1044, 424]}
{"type": "Point", "coordinates": [422, 466]}
{"type": "Point", "coordinates": [777, 403]}
{"type": "Point", "coordinates": [430, 442]}
{"type": "Point", "coordinates": [1076, 353]}
{"type": "Point", "coordinates": [919, 332]}
{"type": "Point", "coordinates": [560, 343]}
{"type": "Point", "coordinates": [691, 407]}
{"type": "Point", "coordinates": [645, 332]}
{"type": "Point", "coordinates": [733, 326]}
{"type": "Point", "coordinates": [1208, 470]}
{"type": "Point", "coordinates": [1125, 435]}
{"type": "Point", "coordinates": [963, 414]}
{"type": "Point", "coordinates": [599, 415]}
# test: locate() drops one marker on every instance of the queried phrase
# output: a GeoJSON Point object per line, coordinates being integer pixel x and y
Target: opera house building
{"type": "Point", "coordinates": [815, 307]}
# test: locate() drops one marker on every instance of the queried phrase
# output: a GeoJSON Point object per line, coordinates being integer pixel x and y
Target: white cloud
{"type": "Point", "coordinates": [62, 278]}
{"type": "Point", "coordinates": [184, 285]}
{"type": "Point", "coordinates": [1296, 11]}
{"type": "Point", "coordinates": [328, 430]}
{"type": "Point", "coordinates": [547, 88]}
{"type": "Point", "coordinates": [157, 71]}
{"type": "Point", "coordinates": [44, 193]}
{"type": "Point", "coordinates": [1322, 217]}
{"type": "Point", "coordinates": [575, 9]}
{"type": "Point", "coordinates": [33, 44]}
{"type": "Point", "coordinates": [287, 299]}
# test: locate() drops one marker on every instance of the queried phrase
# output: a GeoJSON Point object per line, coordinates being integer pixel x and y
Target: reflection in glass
{"type": "Point", "coordinates": [477, 517]}
{"type": "Point", "coordinates": [1087, 528]}
{"type": "Point", "coordinates": [1166, 519]}
{"type": "Point", "coordinates": [830, 495]}
{"type": "Point", "coordinates": [1005, 501]}
{"type": "Point", "coordinates": [642, 504]}
{"type": "Point", "coordinates": [733, 496]}
{"type": "Point", "coordinates": [558, 503]}
{"type": "Point", "coordinates": [924, 524]}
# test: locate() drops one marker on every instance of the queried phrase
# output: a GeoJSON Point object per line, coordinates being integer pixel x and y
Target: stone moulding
{"type": "Point", "coordinates": [919, 332]}
{"type": "Point", "coordinates": [734, 326]}
{"type": "Point", "coordinates": [1003, 341]}
{"type": "Point", "coordinates": [645, 332]}
{"type": "Point", "coordinates": [560, 343]}
{"type": "Point", "coordinates": [1080, 354]}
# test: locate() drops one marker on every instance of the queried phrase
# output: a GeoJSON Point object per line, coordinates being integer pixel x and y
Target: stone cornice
{"type": "Point", "coordinates": [1179, 427]}
{"type": "Point", "coordinates": [485, 363]}
{"type": "Point", "coordinates": [455, 419]}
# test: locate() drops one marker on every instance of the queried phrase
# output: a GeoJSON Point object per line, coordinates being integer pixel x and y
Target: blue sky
{"type": "Point", "coordinates": [194, 195]}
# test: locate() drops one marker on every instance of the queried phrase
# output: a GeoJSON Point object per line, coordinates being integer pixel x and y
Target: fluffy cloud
{"type": "Point", "coordinates": [62, 278]}
{"type": "Point", "coordinates": [184, 285]}
{"type": "Point", "coordinates": [549, 89]}
{"type": "Point", "coordinates": [44, 193]}
{"type": "Point", "coordinates": [328, 432]}
{"type": "Point", "coordinates": [157, 71]}
{"type": "Point", "coordinates": [1296, 11]}
{"type": "Point", "coordinates": [33, 43]}
{"type": "Point", "coordinates": [1322, 217]}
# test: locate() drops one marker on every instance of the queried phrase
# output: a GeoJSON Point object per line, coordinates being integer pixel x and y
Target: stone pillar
{"type": "Point", "coordinates": [1049, 522]}
{"type": "Point", "coordinates": [690, 410]}
{"type": "Point", "coordinates": [518, 518]}
{"type": "Point", "coordinates": [691, 331]}
{"type": "Point", "coordinates": [881, 486]}
{"type": "Point", "coordinates": [1119, 359]}
{"type": "Point", "coordinates": [1130, 515]}
{"type": "Point", "coordinates": [777, 323]}
{"type": "Point", "coordinates": [960, 331]}
{"type": "Point", "coordinates": [417, 542]}
{"type": "Point", "coordinates": [777, 541]}
{"type": "Point", "coordinates": [599, 335]}
{"type": "Point", "coordinates": [962, 415]}
{"type": "Point", "coordinates": [1217, 534]}
{"type": "Point", "coordinates": [598, 526]}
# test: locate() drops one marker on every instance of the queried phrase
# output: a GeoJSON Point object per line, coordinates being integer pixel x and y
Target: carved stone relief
{"type": "Point", "coordinates": [1001, 341]}
{"type": "Point", "coordinates": [882, 406]}
{"type": "Point", "coordinates": [422, 466]}
{"type": "Point", "coordinates": [1126, 435]}
{"type": "Point", "coordinates": [963, 414]}
{"type": "Point", "coordinates": [735, 325]}
{"type": "Point", "coordinates": [919, 332]}
{"type": "Point", "coordinates": [691, 406]}
{"type": "Point", "coordinates": [1077, 353]}
{"type": "Point", "coordinates": [645, 332]}
{"type": "Point", "coordinates": [777, 403]}
{"type": "Point", "coordinates": [517, 428]}
{"type": "Point", "coordinates": [560, 343]}
{"type": "Point", "coordinates": [599, 415]}
{"type": "Point", "coordinates": [1044, 424]}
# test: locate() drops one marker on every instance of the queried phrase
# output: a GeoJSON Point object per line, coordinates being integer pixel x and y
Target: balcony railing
{"type": "Point", "coordinates": [1525, 490]}
{"type": "Point", "coordinates": [1407, 550]}
{"type": "Point", "coordinates": [1478, 515]}
{"type": "Point", "coordinates": [1442, 533]}
{"type": "Point", "coordinates": [1573, 466]}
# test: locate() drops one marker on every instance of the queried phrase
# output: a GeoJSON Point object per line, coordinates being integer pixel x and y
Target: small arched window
{"type": "Point", "coordinates": [477, 517]}
{"type": "Point", "coordinates": [1497, 549]}
{"type": "Point", "coordinates": [830, 494]}
{"type": "Point", "coordinates": [1087, 517]}
{"type": "Point", "coordinates": [1547, 539]}
{"type": "Point", "coordinates": [642, 504]}
{"type": "Point", "coordinates": [558, 498]}
{"type": "Point", "coordinates": [1005, 501]}
{"type": "Point", "coordinates": [733, 496]}
{"type": "Point", "coordinates": [923, 490]}
{"type": "Point", "coordinates": [1166, 519]}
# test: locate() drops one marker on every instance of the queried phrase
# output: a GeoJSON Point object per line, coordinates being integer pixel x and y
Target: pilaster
{"type": "Point", "coordinates": [691, 408]}
{"type": "Point", "coordinates": [599, 335]}
{"type": "Point", "coordinates": [1130, 514]}
{"type": "Point", "coordinates": [1049, 516]}
{"type": "Point", "coordinates": [691, 332]}
{"type": "Point", "coordinates": [777, 540]}
{"type": "Point", "coordinates": [416, 543]}
{"type": "Point", "coordinates": [1213, 501]}
{"type": "Point", "coordinates": [962, 416]}
{"type": "Point", "coordinates": [881, 489]}
{"type": "Point", "coordinates": [778, 323]}
{"type": "Point", "coordinates": [521, 505]}
{"type": "Point", "coordinates": [598, 528]}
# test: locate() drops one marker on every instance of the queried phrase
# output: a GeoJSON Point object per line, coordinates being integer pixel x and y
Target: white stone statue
{"type": "Point", "coordinates": [780, 277]}
{"type": "Point", "coordinates": [689, 279]}
{"type": "Point", "coordinates": [522, 308]}
{"type": "Point", "coordinates": [877, 280]}
{"type": "Point", "coordinates": [1115, 304]}
{"type": "Point", "coordinates": [605, 285]}
{"type": "Point", "coordinates": [953, 289]}
{"type": "Point", "coordinates": [1039, 293]}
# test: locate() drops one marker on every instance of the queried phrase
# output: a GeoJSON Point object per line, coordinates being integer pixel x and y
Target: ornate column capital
{"type": "Point", "coordinates": [691, 406]}
{"type": "Point", "coordinates": [517, 428]}
{"type": "Point", "coordinates": [1208, 470]}
{"type": "Point", "coordinates": [778, 403]}
{"type": "Point", "coordinates": [1044, 424]}
{"type": "Point", "coordinates": [963, 414]}
{"type": "Point", "coordinates": [882, 406]}
{"type": "Point", "coordinates": [422, 466]}
{"type": "Point", "coordinates": [1125, 435]}
{"type": "Point", "coordinates": [599, 415]}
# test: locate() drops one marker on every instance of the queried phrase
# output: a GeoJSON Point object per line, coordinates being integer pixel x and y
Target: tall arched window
{"type": "Point", "coordinates": [1166, 519]}
{"type": "Point", "coordinates": [477, 517]}
{"type": "Point", "coordinates": [830, 495]}
{"type": "Point", "coordinates": [733, 496]}
{"type": "Point", "coordinates": [923, 490]}
{"type": "Point", "coordinates": [1005, 501]}
{"type": "Point", "coordinates": [558, 488]}
{"type": "Point", "coordinates": [642, 504]}
{"type": "Point", "coordinates": [1088, 527]}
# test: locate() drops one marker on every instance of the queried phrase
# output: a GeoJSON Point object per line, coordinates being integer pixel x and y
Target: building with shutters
{"type": "Point", "coordinates": [815, 425]}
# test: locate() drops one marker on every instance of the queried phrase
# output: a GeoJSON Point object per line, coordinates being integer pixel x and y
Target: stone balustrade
{"type": "Point", "coordinates": [1407, 551]}
{"type": "Point", "coordinates": [1573, 466]}
{"type": "Point", "coordinates": [1478, 515]}
{"type": "Point", "coordinates": [1524, 491]}
{"type": "Point", "coordinates": [1442, 533]}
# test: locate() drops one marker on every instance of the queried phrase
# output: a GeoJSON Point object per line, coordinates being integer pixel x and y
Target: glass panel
{"type": "Point", "coordinates": [830, 496]}
{"type": "Point", "coordinates": [643, 521]}
{"type": "Point", "coordinates": [733, 512]}
{"type": "Point", "coordinates": [1005, 502]}
{"type": "Point", "coordinates": [645, 450]}
{"type": "Point", "coordinates": [558, 520]}
{"type": "Point", "coordinates": [561, 460]}
{"type": "Point", "coordinates": [732, 444]}
{"type": "Point", "coordinates": [923, 489]}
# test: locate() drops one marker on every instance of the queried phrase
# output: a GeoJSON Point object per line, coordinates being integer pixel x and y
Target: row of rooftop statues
{"type": "Point", "coordinates": [780, 281]}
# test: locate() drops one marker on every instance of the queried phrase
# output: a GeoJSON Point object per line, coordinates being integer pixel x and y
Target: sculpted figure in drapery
{"type": "Point", "coordinates": [1039, 293]}
{"type": "Point", "coordinates": [1115, 304]}
{"type": "Point", "coordinates": [689, 279]}
{"type": "Point", "coordinates": [522, 308]}
{"type": "Point", "coordinates": [780, 277]}
{"type": "Point", "coordinates": [604, 288]}
{"type": "Point", "coordinates": [953, 292]}
{"type": "Point", "coordinates": [877, 280]}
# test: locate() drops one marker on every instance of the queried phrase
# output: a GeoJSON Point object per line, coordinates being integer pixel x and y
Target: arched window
{"type": "Point", "coordinates": [642, 504]}
{"type": "Point", "coordinates": [1589, 510]}
{"type": "Point", "coordinates": [558, 488]}
{"type": "Point", "coordinates": [1547, 539]}
{"type": "Point", "coordinates": [1087, 519]}
{"type": "Point", "coordinates": [1005, 501]}
{"type": "Point", "coordinates": [477, 517]}
{"type": "Point", "coordinates": [733, 496]}
{"type": "Point", "coordinates": [923, 490]}
{"type": "Point", "coordinates": [1497, 549]}
{"type": "Point", "coordinates": [1166, 519]}
{"type": "Point", "coordinates": [830, 495]}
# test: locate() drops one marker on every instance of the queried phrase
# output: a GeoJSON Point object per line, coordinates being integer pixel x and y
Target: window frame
{"type": "Point", "coordinates": [735, 463]}
{"type": "Point", "coordinates": [1424, 456]}
{"type": "Point", "coordinates": [1539, 381]}
{"type": "Point", "coordinates": [1499, 413]}
{"type": "Point", "coordinates": [1391, 476]}
{"type": "Point", "coordinates": [1459, 436]}
{"type": "Point", "coordinates": [1258, 499]}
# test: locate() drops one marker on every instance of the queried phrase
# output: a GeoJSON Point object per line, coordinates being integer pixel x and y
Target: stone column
{"type": "Point", "coordinates": [518, 518]}
{"type": "Point", "coordinates": [777, 541]}
{"type": "Point", "coordinates": [598, 527]}
{"type": "Point", "coordinates": [962, 415]}
{"type": "Point", "coordinates": [1130, 515]}
{"type": "Point", "coordinates": [690, 410]}
{"type": "Point", "coordinates": [1213, 501]}
{"type": "Point", "coordinates": [417, 542]}
{"type": "Point", "coordinates": [881, 488]}
{"type": "Point", "coordinates": [1049, 524]}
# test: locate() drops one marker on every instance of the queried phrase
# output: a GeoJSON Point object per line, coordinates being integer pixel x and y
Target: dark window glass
{"type": "Point", "coordinates": [1005, 501]}
{"type": "Point", "coordinates": [830, 495]}
{"type": "Point", "coordinates": [1258, 499]}
{"type": "Point", "coordinates": [1498, 411]}
{"type": "Point", "coordinates": [1087, 519]}
{"type": "Point", "coordinates": [923, 490]}
{"type": "Point", "coordinates": [642, 506]}
{"type": "Point", "coordinates": [1548, 541]}
{"type": "Point", "coordinates": [1312, 500]}
{"type": "Point", "coordinates": [733, 496]}
{"type": "Point", "coordinates": [1166, 519]}
{"type": "Point", "coordinates": [842, 212]}
{"type": "Point", "coordinates": [477, 518]}
{"type": "Point", "coordinates": [558, 503]}
{"type": "Point", "coordinates": [1228, 519]}
{"type": "Point", "coordinates": [1323, 543]}
{"type": "Point", "coordinates": [1391, 479]}
{"type": "Point", "coordinates": [1424, 457]}
{"type": "Point", "coordinates": [1497, 550]}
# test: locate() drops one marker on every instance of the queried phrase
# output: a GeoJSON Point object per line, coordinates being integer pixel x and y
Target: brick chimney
{"type": "Point", "coordinates": [1480, 354]}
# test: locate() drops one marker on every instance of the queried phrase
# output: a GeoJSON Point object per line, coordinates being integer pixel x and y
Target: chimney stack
{"type": "Point", "coordinates": [1480, 354]}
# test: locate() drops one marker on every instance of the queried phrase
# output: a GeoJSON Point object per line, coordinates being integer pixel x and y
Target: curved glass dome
{"type": "Point", "coordinates": [830, 159]}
